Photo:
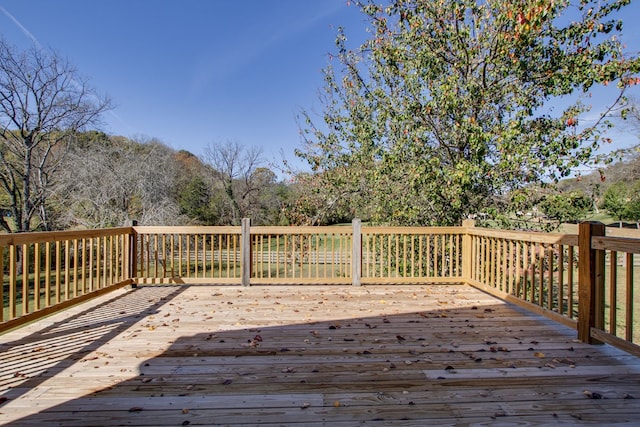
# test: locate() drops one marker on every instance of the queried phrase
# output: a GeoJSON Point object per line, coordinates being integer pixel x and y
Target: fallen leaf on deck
{"type": "Point", "coordinates": [592, 394]}
{"type": "Point", "coordinates": [539, 354]}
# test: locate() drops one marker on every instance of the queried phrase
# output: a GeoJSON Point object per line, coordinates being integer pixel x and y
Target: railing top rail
{"type": "Point", "coordinates": [623, 232]}
{"type": "Point", "coordinates": [527, 236]}
{"type": "Point", "coordinates": [188, 229]}
{"type": "Point", "coordinates": [333, 229]}
{"type": "Point", "coordinates": [618, 244]}
{"type": "Point", "coordinates": [53, 236]}
{"type": "Point", "coordinates": [412, 230]}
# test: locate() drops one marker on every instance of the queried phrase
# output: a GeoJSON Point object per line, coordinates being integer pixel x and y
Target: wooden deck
{"type": "Point", "coordinates": [309, 355]}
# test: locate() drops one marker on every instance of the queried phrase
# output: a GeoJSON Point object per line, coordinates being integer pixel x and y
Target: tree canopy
{"type": "Point", "coordinates": [445, 110]}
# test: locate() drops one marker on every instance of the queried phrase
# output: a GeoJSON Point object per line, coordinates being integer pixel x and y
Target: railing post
{"type": "Point", "coordinates": [467, 259]}
{"type": "Point", "coordinates": [133, 253]}
{"type": "Point", "coordinates": [590, 281]}
{"type": "Point", "coordinates": [356, 254]}
{"type": "Point", "coordinates": [246, 252]}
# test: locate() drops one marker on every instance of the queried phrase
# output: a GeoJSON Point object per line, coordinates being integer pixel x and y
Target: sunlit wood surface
{"type": "Point", "coordinates": [309, 355]}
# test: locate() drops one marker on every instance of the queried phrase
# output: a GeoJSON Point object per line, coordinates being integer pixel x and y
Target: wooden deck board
{"type": "Point", "coordinates": [309, 355]}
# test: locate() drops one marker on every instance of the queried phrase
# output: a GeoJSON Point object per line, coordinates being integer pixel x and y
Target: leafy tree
{"type": "Point", "coordinates": [43, 103]}
{"type": "Point", "coordinates": [247, 187]}
{"type": "Point", "coordinates": [311, 203]}
{"type": "Point", "coordinates": [566, 207]}
{"type": "Point", "coordinates": [194, 189]}
{"type": "Point", "coordinates": [195, 201]}
{"type": "Point", "coordinates": [632, 208]}
{"type": "Point", "coordinates": [445, 106]}
{"type": "Point", "coordinates": [264, 204]}
{"type": "Point", "coordinates": [615, 199]}
{"type": "Point", "coordinates": [623, 201]}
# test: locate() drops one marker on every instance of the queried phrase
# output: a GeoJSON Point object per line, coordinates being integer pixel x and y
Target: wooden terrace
{"type": "Point", "coordinates": [309, 355]}
{"type": "Point", "coordinates": [152, 326]}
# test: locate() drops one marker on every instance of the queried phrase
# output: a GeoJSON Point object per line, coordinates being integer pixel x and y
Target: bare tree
{"type": "Point", "coordinates": [633, 114]}
{"type": "Point", "coordinates": [109, 181]}
{"type": "Point", "coordinates": [234, 168]}
{"type": "Point", "coordinates": [43, 103]}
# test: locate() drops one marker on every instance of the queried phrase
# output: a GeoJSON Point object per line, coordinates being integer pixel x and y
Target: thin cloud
{"type": "Point", "coordinates": [37, 44]}
{"type": "Point", "coordinates": [219, 67]}
{"type": "Point", "coordinates": [22, 27]}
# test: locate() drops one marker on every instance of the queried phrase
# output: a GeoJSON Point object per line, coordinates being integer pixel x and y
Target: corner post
{"type": "Point", "coordinates": [590, 281]}
{"type": "Point", "coordinates": [246, 252]}
{"type": "Point", "coordinates": [467, 252]}
{"type": "Point", "coordinates": [356, 254]}
{"type": "Point", "coordinates": [133, 254]}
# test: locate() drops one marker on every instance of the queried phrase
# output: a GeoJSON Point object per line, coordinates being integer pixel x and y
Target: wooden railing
{"type": "Point", "coordinates": [294, 255]}
{"type": "Point", "coordinates": [355, 255]}
{"type": "Point", "coordinates": [536, 269]}
{"type": "Point", "coordinates": [187, 255]}
{"type": "Point", "coordinates": [585, 280]}
{"type": "Point", "coordinates": [45, 272]}
{"type": "Point", "coordinates": [610, 300]}
{"type": "Point", "coordinates": [411, 255]}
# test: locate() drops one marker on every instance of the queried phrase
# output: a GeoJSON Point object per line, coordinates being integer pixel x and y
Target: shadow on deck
{"type": "Point", "coordinates": [311, 355]}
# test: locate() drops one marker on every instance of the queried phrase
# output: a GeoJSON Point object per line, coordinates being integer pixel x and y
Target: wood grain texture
{"type": "Point", "coordinates": [309, 355]}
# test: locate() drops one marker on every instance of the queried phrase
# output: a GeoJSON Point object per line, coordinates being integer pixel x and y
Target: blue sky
{"type": "Point", "coordinates": [193, 72]}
